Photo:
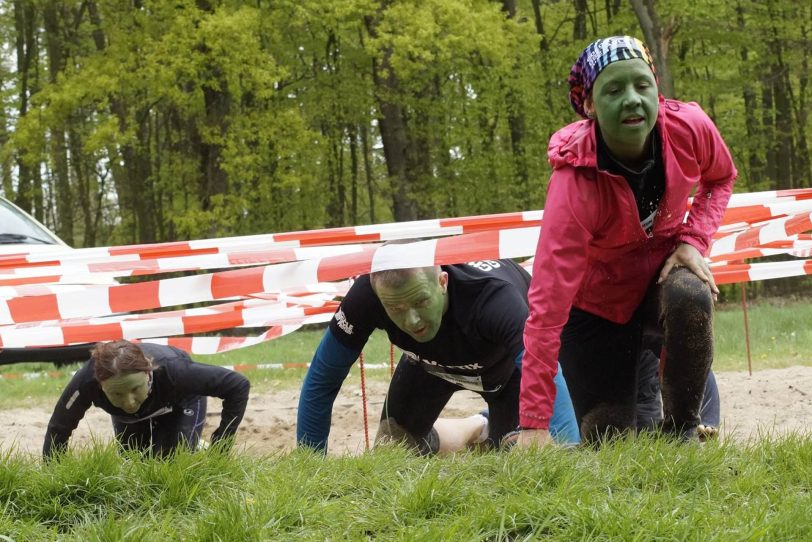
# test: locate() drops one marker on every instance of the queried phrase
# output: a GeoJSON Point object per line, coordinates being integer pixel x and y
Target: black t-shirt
{"type": "Point", "coordinates": [176, 380]}
{"type": "Point", "coordinates": [647, 182]}
{"type": "Point", "coordinates": [480, 334]}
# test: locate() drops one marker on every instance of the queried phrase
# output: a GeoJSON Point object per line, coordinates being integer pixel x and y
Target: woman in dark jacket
{"type": "Point", "coordinates": [155, 395]}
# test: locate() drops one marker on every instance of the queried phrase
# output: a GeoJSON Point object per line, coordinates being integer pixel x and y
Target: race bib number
{"type": "Point", "coordinates": [469, 382]}
{"type": "Point", "coordinates": [486, 265]}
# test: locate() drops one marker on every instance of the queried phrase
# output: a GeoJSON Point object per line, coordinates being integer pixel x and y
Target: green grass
{"type": "Point", "coordinates": [634, 489]}
{"type": "Point", "coordinates": [779, 337]}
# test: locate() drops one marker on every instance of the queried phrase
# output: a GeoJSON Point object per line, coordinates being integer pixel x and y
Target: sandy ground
{"type": "Point", "coordinates": [770, 403]}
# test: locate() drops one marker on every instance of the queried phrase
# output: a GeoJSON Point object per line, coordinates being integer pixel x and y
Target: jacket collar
{"type": "Point", "coordinates": [575, 144]}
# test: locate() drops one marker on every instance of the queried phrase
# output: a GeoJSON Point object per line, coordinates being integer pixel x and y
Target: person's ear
{"type": "Point", "coordinates": [589, 107]}
{"type": "Point", "coordinates": [444, 281]}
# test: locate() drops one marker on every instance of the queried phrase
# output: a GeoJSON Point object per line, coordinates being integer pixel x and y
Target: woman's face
{"type": "Point", "coordinates": [127, 391]}
{"type": "Point", "coordinates": [625, 102]}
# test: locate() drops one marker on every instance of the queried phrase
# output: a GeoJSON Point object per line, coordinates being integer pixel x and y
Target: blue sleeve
{"type": "Point", "coordinates": [563, 425]}
{"type": "Point", "coordinates": [328, 369]}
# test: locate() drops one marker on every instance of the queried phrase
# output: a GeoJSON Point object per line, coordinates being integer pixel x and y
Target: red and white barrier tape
{"type": "Point", "coordinates": [751, 272]}
{"type": "Point", "coordinates": [106, 300]}
{"type": "Point", "coordinates": [775, 230]}
{"type": "Point", "coordinates": [72, 272]}
{"type": "Point", "coordinates": [55, 314]}
{"type": "Point", "coordinates": [79, 331]}
{"type": "Point", "coordinates": [757, 205]}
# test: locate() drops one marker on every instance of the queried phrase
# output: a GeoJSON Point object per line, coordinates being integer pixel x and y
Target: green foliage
{"type": "Point", "coordinates": [200, 119]}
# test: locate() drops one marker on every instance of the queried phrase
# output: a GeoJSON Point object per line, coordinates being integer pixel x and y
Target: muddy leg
{"type": "Point", "coordinates": [687, 317]}
{"type": "Point", "coordinates": [607, 421]}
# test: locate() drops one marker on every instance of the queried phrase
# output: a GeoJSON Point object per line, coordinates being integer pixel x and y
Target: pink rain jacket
{"type": "Point", "coordinates": [593, 254]}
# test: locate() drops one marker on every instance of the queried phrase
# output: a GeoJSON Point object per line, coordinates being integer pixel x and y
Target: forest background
{"type": "Point", "coordinates": [138, 121]}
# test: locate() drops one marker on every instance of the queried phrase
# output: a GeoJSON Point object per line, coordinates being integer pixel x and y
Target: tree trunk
{"type": "Point", "coordinates": [368, 171]}
{"type": "Point", "coordinates": [214, 180]}
{"type": "Point", "coordinates": [781, 90]}
{"type": "Point", "coordinates": [353, 137]}
{"type": "Point", "coordinates": [516, 121]}
{"type": "Point", "coordinates": [84, 193]}
{"type": "Point", "coordinates": [579, 23]}
{"type": "Point", "coordinates": [53, 23]}
{"type": "Point", "coordinates": [768, 128]}
{"type": "Point", "coordinates": [26, 49]}
{"type": "Point", "coordinates": [783, 126]}
{"type": "Point", "coordinates": [754, 162]}
{"type": "Point", "coordinates": [539, 22]}
{"type": "Point", "coordinates": [392, 126]}
{"type": "Point", "coordinates": [217, 102]}
{"type": "Point", "coordinates": [132, 179]}
{"type": "Point", "coordinates": [393, 137]}
{"type": "Point", "coordinates": [658, 38]}
{"type": "Point", "coordinates": [418, 157]}
{"type": "Point", "coordinates": [612, 8]}
{"type": "Point", "coordinates": [5, 161]}
{"type": "Point", "coordinates": [801, 162]}
{"type": "Point", "coordinates": [336, 200]}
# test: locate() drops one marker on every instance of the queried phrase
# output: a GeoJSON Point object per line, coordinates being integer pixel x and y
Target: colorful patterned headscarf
{"type": "Point", "coordinates": [597, 55]}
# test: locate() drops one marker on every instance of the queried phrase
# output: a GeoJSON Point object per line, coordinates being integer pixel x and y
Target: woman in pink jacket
{"type": "Point", "coordinates": [617, 254]}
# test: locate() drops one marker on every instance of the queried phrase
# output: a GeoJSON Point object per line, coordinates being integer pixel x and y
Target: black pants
{"type": "Point", "coordinates": [162, 434]}
{"type": "Point", "coordinates": [600, 359]}
{"type": "Point", "coordinates": [416, 398]}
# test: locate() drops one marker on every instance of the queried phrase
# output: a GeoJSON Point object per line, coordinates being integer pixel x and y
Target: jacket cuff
{"type": "Point", "coordinates": [699, 244]}
{"type": "Point", "coordinates": [530, 421]}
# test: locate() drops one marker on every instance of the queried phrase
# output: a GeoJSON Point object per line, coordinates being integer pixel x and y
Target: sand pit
{"type": "Point", "coordinates": [771, 403]}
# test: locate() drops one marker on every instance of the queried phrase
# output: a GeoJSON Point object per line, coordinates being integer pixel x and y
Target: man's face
{"type": "Point", "coordinates": [418, 306]}
{"type": "Point", "coordinates": [127, 391]}
{"type": "Point", "coordinates": [625, 101]}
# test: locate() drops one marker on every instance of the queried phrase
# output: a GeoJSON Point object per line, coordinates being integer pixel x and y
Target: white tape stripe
{"type": "Point", "coordinates": [418, 254]}
{"type": "Point", "coordinates": [775, 230]}
{"type": "Point", "coordinates": [518, 243]}
{"type": "Point", "coordinates": [725, 245]}
{"type": "Point", "coordinates": [387, 230]}
{"type": "Point", "coordinates": [532, 216]}
{"type": "Point", "coordinates": [289, 275]}
{"type": "Point", "coordinates": [184, 290]}
{"type": "Point", "coordinates": [138, 329]}
{"type": "Point", "coordinates": [29, 337]}
{"type": "Point", "coordinates": [91, 297]}
{"type": "Point", "coordinates": [774, 270]}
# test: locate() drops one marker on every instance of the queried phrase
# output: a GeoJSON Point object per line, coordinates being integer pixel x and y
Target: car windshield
{"type": "Point", "coordinates": [17, 228]}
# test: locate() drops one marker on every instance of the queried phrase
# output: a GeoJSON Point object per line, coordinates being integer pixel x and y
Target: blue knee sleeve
{"type": "Point", "coordinates": [563, 426]}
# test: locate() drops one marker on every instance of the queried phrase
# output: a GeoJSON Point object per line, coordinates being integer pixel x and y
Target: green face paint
{"type": "Point", "coordinates": [625, 100]}
{"type": "Point", "coordinates": [127, 391]}
{"type": "Point", "coordinates": [418, 306]}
